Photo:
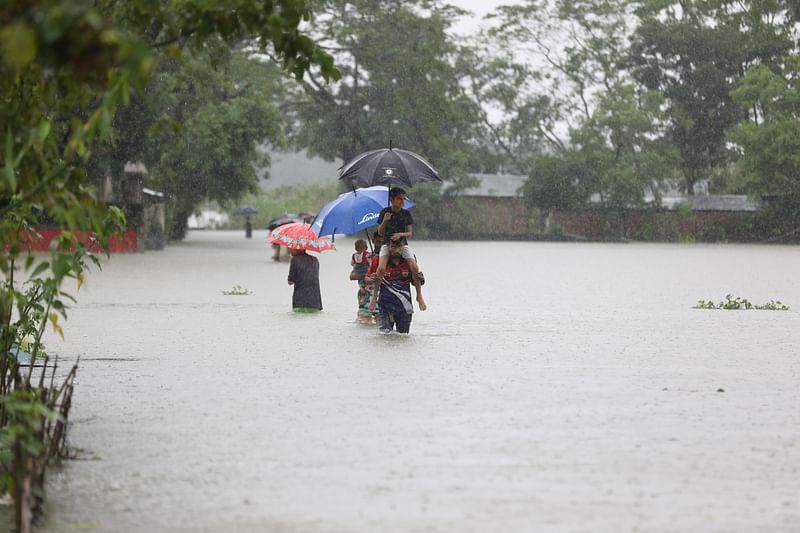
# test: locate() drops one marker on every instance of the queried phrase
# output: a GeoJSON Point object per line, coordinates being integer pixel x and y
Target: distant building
{"type": "Point", "coordinates": [711, 202]}
{"type": "Point", "coordinates": [207, 219]}
{"type": "Point", "coordinates": [498, 205]}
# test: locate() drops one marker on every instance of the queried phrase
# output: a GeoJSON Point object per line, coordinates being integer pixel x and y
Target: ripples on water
{"type": "Point", "coordinates": [567, 386]}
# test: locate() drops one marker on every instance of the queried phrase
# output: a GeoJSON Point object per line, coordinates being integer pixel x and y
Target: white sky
{"type": "Point", "coordinates": [480, 8]}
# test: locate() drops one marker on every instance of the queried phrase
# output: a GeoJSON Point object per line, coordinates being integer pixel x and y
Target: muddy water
{"type": "Point", "coordinates": [549, 387]}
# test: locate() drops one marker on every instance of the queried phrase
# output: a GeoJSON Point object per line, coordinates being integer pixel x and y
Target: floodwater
{"type": "Point", "coordinates": [556, 387]}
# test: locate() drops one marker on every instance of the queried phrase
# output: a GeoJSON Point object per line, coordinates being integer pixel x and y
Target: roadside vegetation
{"type": "Point", "coordinates": [70, 73]}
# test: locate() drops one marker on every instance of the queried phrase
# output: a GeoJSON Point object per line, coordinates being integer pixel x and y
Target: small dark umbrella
{"type": "Point", "coordinates": [245, 210]}
{"type": "Point", "coordinates": [387, 166]}
{"type": "Point", "coordinates": [286, 218]}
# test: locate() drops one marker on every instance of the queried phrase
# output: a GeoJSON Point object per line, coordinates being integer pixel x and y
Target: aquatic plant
{"type": "Point", "coordinates": [773, 305]}
{"type": "Point", "coordinates": [237, 290]}
{"type": "Point", "coordinates": [739, 303]}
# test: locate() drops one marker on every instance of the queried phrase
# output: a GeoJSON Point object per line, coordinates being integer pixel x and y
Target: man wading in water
{"type": "Point", "coordinates": [396, 226]}
{"type": "Point", "coordinates": [394, 301]}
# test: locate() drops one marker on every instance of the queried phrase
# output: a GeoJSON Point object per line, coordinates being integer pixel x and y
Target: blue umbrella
{"type": "Point", "coordinates": [352, 211]}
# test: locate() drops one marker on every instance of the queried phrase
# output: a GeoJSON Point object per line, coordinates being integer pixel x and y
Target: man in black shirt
{"type": "Point", "coordinates": [396, 225]}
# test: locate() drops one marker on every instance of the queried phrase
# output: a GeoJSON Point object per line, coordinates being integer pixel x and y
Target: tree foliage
{"type": "Point", "coordinates": [572, 118]}
{"type": "Point", "coordinates": [549, 63]}
{"type": "Point", "coordinates": [400, 84]}
{"type": "Point", "coordinates": [66, 68]}
{"type": "Point", "coordinates": [202, 120]}
{"type": "Point", "coordinates": [770, 141]}
{"type": "Point", "coordinates": [694, 53]}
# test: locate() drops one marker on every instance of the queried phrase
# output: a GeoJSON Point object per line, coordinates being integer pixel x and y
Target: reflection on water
{"type": "Point", "coordinates": [565, 386]}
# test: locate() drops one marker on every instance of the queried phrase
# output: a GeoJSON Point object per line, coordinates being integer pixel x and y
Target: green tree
{"type": "Point", "coordinates": [572, 118]}
{"type": "Point", "coordinates": [200, 79]}
{"type": "Point", "coordinates": [618, 154]}
{"type": "Point", "coordinates": [624, 142]}
{"type": "Point", "coordinates": [770, 142]}
{"type": "Point", "coordinates": [65, 68]}
{"type": "Point", "coordinates": [544, 67]}
{"type": "Point", "coordinates": [399, 84]}
{"type": "Point", "coordinates": [693, 52]}
{"type": "Point", "coordinates": [221, 107]}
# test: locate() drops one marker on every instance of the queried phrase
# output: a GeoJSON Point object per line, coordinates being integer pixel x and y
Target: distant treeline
{"type": "Point", "coordinates": [594, 99]}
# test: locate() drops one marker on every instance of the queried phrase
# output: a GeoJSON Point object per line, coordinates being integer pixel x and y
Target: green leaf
{"type": "Point", "coordinates": [18, 43]}
{"type": "Point", "coordinates": [41, 267]}
{"type": "Point", "coordinates": [43, 131]}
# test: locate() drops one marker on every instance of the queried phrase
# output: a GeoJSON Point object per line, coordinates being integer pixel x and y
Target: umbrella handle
{"type": "Point", "coordinates": [389, 185]}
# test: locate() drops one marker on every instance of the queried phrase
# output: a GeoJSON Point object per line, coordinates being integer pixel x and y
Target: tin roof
{"type": "Point", "coordinates": [508, 186]}
{"type": "Point", "coordinates": [499, 185]}
{"type": "Point", "coordinates": [711, 202]}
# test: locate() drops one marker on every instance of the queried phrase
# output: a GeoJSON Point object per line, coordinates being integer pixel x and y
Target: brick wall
{"type": "Point", "coordinates": [484, 217]}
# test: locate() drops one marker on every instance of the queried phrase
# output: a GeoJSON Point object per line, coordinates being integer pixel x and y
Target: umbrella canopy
{"type": "Point", "coordinates": [388, 166]}
{"type": "Point", "coordinates": [245, 210]}
{"type": "Point", "coordinates": [352, 211]}
{"type": "Point", "coordinates": [286, 218]}
{"type": "Point", "coordinates": [298, 236]}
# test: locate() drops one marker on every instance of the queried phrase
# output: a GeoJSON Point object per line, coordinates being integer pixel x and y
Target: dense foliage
{"type": "Point", "coordinates": [618, 101]}
{"type": "Point", "coordinates": [401, 84]}
{"type": "Point", "coordinates": [66, 69]}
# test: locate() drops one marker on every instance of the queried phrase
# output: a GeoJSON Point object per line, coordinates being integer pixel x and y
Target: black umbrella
{"type": "Point", "coordinates": [387, 166]}
{"type": "Point", "coordinates": [286, 218]}
{"type": "Point", "coordinates": [245, 210]}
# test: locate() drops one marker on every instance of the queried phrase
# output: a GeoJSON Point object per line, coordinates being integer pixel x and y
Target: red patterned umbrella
{"type": "Point", "coordinates": [298, 236]}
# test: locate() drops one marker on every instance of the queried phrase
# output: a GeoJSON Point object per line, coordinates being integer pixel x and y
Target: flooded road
{"type": "Point", "coordinates": [554, 387]}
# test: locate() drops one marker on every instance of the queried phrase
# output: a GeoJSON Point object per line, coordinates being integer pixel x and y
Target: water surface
{"type": "Point", "coordinates": [552, 387]}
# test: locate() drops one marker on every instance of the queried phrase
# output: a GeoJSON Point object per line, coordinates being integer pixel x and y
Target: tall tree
{"type": "Point", "coordinates": [223, 111]}
{"type": "Point", "coordinates": [693, 52]}
{"type": "Point", "coordinates": [198, 80]}
{"type": "Point", "coordinates": [545, 65]}
{"type": "Point", "coordinates": [399, 84]}
{"type": "Point", "coordinates": [571, 117]}
{"type": "Point", "coordinates": [196, 127]}
{"type": "Point", "coordinates": [770, 142]}
{"type": "Point", "coordinates": [618, 154]}
{"type": "Point", "coordinates": [65, 68]}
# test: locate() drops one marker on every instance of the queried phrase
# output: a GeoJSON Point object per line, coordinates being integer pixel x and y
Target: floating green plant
{"type": "Point", "coordinates": [237, 290]}
{"type": "Point", "coordinates": [739, 303]}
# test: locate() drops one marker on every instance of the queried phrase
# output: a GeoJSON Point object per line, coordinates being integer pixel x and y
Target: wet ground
{"type": "Point", "coordinates": [551, 387]}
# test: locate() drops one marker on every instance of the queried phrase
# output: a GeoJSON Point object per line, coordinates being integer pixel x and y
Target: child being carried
{"type": "Point", "coordinates": [360, 262]}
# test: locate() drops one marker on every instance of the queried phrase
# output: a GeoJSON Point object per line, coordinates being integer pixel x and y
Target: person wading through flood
{"type": "Point", "coordinates": [394, 301]}
{"type": "Point", "coordinates": [304, 275]}
{"type": "Point", "coordinates": [396, 226]}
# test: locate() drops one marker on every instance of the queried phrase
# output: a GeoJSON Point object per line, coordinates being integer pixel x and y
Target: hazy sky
{"type": "Point", "coordinates": [480, 8]}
